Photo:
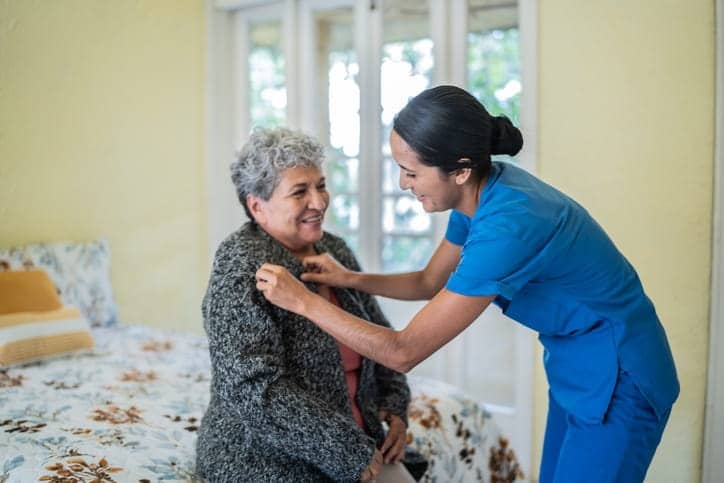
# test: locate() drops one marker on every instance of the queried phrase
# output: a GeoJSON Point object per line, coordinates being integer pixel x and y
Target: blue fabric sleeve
{"type": "Point", "coordinates": [493, 266]}
{"type": "Point", "coordinates": [458, 227]}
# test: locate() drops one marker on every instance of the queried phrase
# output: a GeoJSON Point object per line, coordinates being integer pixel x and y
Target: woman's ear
{"type": "Point", "coordinates": [256, 208]}
{"type": "Point", "coordinates": [463, 174]}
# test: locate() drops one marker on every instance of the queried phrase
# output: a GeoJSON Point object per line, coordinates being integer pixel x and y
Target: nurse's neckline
{"type": "Point", "coordinates": [471, 200]}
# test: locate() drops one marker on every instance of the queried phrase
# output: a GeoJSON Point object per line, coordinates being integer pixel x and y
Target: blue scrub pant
{"type": "Point", "coordinates": [617, 450]}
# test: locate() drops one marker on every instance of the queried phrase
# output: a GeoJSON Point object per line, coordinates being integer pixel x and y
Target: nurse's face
{"type": "Point", "coordinates": [433, 188]}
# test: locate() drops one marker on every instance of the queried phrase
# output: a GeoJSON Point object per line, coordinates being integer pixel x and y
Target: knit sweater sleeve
{"type": "Point", "coordinates": [394, 393]}
{"type": "Point", "coordinates": [251, 378]}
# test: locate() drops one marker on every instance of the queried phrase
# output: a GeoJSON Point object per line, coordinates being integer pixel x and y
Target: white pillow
{"type": "Point", "coordinates": [80, 271]}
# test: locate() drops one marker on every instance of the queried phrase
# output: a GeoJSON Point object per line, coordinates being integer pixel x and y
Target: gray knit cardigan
{"type": "Point", "coordinates": [279, 409]}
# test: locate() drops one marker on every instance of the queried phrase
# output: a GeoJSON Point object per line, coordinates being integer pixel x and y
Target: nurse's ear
{"type": "Point", "coordinates": [462, 175]}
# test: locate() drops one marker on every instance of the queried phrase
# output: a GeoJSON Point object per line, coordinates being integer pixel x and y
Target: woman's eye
{"type": "Point", "coordinates": [299, 193]}
{"type": "Point", "coordinates": [409, 175]}
{"type": "Point", "coordinates": [322, 187]}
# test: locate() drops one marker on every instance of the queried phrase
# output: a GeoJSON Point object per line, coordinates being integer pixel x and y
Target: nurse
{"type": "Point", "coordinates": [519, 243]}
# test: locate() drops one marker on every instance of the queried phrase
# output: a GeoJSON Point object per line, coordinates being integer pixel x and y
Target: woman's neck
{"type": "Point", "coordinates": [470, 198]}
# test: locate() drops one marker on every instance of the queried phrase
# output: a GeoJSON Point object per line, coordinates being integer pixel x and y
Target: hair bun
{"type": "Point", "coordinates": [505, 138]}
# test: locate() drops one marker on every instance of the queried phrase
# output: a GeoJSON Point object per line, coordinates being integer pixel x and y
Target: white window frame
{"type": "Point", "coordinates": [226, 120]}
{"type": "Point", "coordinates": [713, 453]}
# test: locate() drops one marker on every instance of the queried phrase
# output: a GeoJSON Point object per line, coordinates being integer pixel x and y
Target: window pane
{"type": "Point", "coordinates": [405, 253]}
{"type": "Point", "coordinates": [406, 70]}
{"type": "Point", "coordinates": [352, 240]}
{"type": "Point", "coordinates": [267, 85]}
{"type": "Point", "coordinates": [344, 212]}
{"type": "Point", "coordinates": [407, 60]}
{"type": "Point", "coordinates": [338, 116]}
{"type": "Point", "coordinates": [494, 57]}
{"type": "Point", "coordinates": [404, 214]}
{"type": "Point", "coordinates": [342, 175]}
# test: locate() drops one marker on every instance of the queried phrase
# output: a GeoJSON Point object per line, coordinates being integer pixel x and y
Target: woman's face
{"type": "Point", "coordinates": [433, 189]}
{"type": "Point", "coordinates": [294, 213]}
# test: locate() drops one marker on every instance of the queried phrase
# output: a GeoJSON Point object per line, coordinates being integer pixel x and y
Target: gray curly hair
{"type": "Point", "coordinates": [258, 166]}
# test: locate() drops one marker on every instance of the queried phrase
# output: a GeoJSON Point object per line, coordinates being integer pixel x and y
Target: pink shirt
{"type": "Point", "coordinates": [351, 361]}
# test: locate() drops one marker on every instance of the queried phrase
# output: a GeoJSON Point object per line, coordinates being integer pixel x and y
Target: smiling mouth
{"type": "Point", "coordinates": [313, 219]}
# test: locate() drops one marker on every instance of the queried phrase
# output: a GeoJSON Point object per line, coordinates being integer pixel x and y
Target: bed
{"type": "Point", "coordinates": [128, 409]}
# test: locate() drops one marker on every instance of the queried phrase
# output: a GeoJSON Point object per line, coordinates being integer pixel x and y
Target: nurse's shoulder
{"type": "Point", "coordinates": [517, 204]}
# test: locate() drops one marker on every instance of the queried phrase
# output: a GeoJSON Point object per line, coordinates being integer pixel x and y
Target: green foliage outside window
{"type": "Point", "coordinates": [493, 66]}
{"type": "Point", "coordinates": [267, 86]}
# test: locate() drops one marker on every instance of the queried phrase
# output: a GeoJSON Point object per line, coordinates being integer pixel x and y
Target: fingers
{"type": "Point", "coordinates": [395, 447]}
{"type": "Point", "coordinates": [373, 469]}
{"type": "Point", "coordinates": [387, 443]}
{"type": "Point", "coordinates": [265, 281]}
{"type": "Point", "coordinates": [313, 277]}
{"type": "Point", "coordinates": [314, 261]}
{"type": "Point", "coordinates": [376, 464]}
{"type": "Point", "coordinates": [314, 268]}
{"type": "Point", "coordinates": [270, 268]}
{"type": "Point", "coordinates": [397, 452]}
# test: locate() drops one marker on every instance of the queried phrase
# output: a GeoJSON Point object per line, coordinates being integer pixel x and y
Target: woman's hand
{"type": "Point", "coordinates": [281, 288]}
{"type": "Point", "coordinates": [393, 448]}
{"type": "Point", "coordinates": [373, 469]}
{"type": "Point", "coordinates": [325, 270]}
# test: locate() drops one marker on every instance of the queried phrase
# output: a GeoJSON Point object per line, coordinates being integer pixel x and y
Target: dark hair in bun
{"type": "Point", "coordinates": [446, 123]}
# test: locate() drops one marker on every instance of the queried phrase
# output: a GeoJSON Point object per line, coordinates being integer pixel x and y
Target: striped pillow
{"type": "Point", "coordinates": [32, 336]}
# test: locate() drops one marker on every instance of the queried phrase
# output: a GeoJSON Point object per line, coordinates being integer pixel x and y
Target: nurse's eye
{"type": "Point", "coordinates": [410, 175]}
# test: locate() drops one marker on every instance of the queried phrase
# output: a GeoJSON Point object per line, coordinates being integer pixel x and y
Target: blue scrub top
{"type": "Point", "coordinates": [554, 269]}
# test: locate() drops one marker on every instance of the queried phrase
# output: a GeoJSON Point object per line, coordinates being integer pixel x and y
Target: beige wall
{"type": "Point", "coordinates": [101, 135]}
{"type": "Point", "coordinates": [626, 123]}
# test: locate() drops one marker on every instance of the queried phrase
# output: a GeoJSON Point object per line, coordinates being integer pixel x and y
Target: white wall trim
{"type": "Point", "coordinates": [219, 131]}
{"type": "Point", "coordinates": [368, 43]}
{"type": "Point", "coordinates": [525, 338]}
{"type": "Point", "coordinates": [239, 4]}
{"type": "Point", "coordinates": [713, 454]}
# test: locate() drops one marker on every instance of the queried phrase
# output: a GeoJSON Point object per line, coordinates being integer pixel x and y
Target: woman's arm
{"type": "Point", "coordinates": [420, 285]}
{"type": "Point", "coordinates": [438, 322]}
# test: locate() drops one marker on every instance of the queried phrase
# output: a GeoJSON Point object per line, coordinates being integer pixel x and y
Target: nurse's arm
{"type": "Point", "coordinates": [438, 322]}
{"type": "Point", "coordinates": [420, 285]}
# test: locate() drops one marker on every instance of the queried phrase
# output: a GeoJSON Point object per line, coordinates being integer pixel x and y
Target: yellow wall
{"type": "Point", "coordinates": [626, 123]}
{"type": "Point", "coordinates": [101, 135]}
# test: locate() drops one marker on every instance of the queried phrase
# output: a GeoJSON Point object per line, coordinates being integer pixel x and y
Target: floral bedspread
{"type": "Point", "coordinates": [129, 411]}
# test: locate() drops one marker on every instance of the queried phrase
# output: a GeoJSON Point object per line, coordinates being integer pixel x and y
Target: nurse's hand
{"type": "Point", "coordinates": [281, 288]}
{"type": "Point", "coordinates": [325, 270]}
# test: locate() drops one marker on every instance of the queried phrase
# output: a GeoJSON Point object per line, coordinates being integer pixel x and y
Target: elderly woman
{"type": "Point", "coordinates": [289, 403]}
